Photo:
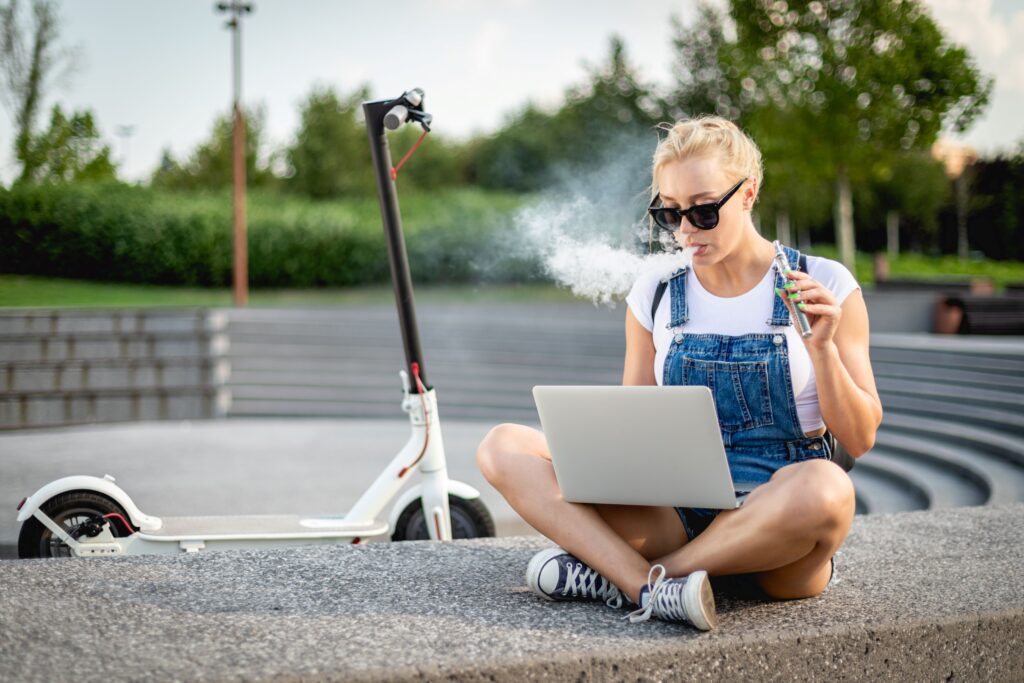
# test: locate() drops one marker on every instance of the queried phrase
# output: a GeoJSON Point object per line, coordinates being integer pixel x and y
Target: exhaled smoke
{"type": "Point", "coordinates": [596, 264]}
{"type": "Point", "coordinates": [590, 232]}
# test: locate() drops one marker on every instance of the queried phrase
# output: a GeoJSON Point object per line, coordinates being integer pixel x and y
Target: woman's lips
{"type": "Point", "coordinates": [701, 248]}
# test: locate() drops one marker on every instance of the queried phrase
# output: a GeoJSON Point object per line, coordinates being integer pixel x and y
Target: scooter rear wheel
{"type": "Point", "coordinates": [72, 510]}
{"type": "Point", "coordinates": [470, 519]}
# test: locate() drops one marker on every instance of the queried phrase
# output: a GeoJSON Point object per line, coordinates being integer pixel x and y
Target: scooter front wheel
{"type": "Point", "coordinates": [79, 513]}
{"type": "Point", "coordinates": [470, 519]}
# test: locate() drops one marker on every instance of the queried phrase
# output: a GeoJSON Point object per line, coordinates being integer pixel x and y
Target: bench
{"type": "Point", "coordinates": [980, 314]}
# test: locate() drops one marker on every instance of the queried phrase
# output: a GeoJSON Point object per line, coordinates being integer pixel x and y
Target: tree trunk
{"type": "Point", "coordinates": [892, 233]}
{"type": "Point", "coordinates": [843, 215]}
{"type": "Point", "coordinates": [961, 216]}
{"type": "Point", "coordinates": [44, 36]}
{"type": "Point", "coordinates": [803, 238]}
{"type": "Point", "coordinates": [782, 231]}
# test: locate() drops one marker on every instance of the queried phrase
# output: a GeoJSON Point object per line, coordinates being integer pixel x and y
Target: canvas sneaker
{"type": "Point", "coordinates": [688, 599]}
{"type": "Point", "coordinates": [556, 575]}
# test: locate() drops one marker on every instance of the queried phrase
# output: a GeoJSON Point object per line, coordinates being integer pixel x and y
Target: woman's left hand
{"type": "Point", "coordinates": [818, 303]}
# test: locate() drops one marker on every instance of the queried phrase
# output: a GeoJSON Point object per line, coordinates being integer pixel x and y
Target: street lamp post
{"type": "Point", "coordinates": [956, 159]}
{"type": "Point", "coordinates": [125, 133]}
{"type": "Point", "coordinates": [236, 8]}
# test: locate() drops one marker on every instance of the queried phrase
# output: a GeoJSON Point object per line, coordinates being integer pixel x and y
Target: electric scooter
{"type": "Point", "coordinates": [93, 516]}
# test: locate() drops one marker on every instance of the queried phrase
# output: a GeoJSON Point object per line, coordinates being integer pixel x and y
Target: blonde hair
{"type": "Point", "coordinates": [706, 136]}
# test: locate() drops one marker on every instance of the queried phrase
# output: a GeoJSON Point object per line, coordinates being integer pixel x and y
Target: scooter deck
{"type": "Point", "coordinates": [262, 527]}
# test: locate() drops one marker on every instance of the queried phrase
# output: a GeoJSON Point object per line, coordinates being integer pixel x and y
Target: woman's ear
{"type": "Point", "coordinates": [750, 190]}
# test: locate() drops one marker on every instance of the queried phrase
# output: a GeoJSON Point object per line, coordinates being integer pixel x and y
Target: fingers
{"type": "Point", "coordinates": [810, 297]}
{"type": "Point", "coordinates": [801, 288]}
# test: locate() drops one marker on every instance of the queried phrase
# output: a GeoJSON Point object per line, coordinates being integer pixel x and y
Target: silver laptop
{"type": "Point", "coordinates": [637, 445]}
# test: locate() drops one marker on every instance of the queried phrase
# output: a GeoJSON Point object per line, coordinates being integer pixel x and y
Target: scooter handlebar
{"type": "Point", "coordinates": [396, 116]}
{"type": "Point", "coordinates": [414, 97]}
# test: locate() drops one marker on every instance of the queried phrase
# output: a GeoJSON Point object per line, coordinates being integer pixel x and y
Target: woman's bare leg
{"type": "Point", "coordinates": [786, 532]}
{"type": "Point", "coordinates": [615, 540]}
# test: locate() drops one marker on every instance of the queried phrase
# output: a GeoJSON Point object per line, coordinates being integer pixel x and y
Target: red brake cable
{"type": "Point", "coordinates": [396, 168]}
{"type": "Point", "coordinates": [426, 416]}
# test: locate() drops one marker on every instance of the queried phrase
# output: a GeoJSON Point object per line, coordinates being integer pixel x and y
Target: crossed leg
{"type": "Point", "coordinates": [785, 533]}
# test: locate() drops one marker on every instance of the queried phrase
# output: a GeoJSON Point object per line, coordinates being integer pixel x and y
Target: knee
{"type": "Point", "coordinates": [822, 492]}
{"type": "Point", "coordinates": [491, 451]}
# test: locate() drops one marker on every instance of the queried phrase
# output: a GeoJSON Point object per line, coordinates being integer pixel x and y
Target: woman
{"type": "Point", "coordinates": [728, 315]}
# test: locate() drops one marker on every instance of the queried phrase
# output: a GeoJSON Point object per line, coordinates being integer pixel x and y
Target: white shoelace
{"type": "Point", "coordinates": [583, 581]}
{"type": "Point", "coordinates": [662, 601]}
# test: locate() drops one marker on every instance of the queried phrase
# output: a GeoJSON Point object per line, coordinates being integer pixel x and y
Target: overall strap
{"type": "Point", "coordinates": [780, 312]}
{"type": "Point", "coordinates": [679, 311]}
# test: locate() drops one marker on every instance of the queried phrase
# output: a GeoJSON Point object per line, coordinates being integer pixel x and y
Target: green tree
{"type": "Point", "coordinates": [853, 83]}
{"type": "Point", "coordinates": [330, 156]}
{"type": "Point", "coordinates": [210, 166]}
{"type": "Point", "coordinates": [706, 81]}
{"type": "Point", "coordinates": [912, 189]}
{"type": "Point", "coordinates": [70, 150]}
{"type": "Point", "coordinates": [702, 83]}
{"type": "Point", "coordinates": [599, 118]}
{"type": "Point", "coordinates": [997, 205]}
{"type": "Point", "coordinates": [519, 155]}
{"type": "Point", "coordinates": [30, 57]}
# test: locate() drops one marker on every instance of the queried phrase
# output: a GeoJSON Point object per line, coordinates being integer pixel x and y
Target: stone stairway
{"type": "Point", "coordinates": [74, 366]}
{"type": "Point", "coordinates": [953, 433]}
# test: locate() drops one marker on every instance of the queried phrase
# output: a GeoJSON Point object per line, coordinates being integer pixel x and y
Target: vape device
{"type": "Point", "coordinates": [783, 264]}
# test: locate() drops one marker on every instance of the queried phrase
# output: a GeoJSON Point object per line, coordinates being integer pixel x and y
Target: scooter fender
{"type": "Point", "coordinates": [105, 486]}
{"type": "Point", "coordinates": [455, 488]}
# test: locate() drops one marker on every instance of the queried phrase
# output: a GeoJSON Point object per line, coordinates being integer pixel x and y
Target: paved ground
{"type": "Point", "coordinates": [921, 596]}
{"type": "Point", "coordinates": [235, 466]}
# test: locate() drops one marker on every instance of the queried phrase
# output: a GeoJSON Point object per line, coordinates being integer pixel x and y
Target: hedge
{"type": "Point", "coordinates": [125, 233]}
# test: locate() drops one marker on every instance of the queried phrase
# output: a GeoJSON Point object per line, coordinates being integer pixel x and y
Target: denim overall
{"type": "Point", "coordinates": [750, 380]}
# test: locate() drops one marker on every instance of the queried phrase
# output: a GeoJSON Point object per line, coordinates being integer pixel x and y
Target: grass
{"type": "Point", "coordinates": [922, 267]}
{"type": "Point", "coordinates": [28, 291]}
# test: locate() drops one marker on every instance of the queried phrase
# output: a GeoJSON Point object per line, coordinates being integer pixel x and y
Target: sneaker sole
{"type": "Point", "coordinates": [537, 563]}
{"type": "Point", "coordinates": [700, 601]}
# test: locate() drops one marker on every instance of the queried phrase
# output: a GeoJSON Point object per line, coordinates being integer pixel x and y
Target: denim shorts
{"type": "Point", "coordinates": [696, 521]}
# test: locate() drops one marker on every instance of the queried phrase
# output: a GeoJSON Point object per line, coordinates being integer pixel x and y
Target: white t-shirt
{"type": "Point", "coordinates": [744, 314]}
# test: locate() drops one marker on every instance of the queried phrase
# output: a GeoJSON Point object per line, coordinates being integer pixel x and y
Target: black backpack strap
{"type": "Point", "coordinates": [802, 265]}
{"type": "Point", "coordinates": [658, 293]}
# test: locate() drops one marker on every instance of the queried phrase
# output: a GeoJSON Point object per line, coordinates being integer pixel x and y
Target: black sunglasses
{"type": "Point", "coordinates": [703, 216]}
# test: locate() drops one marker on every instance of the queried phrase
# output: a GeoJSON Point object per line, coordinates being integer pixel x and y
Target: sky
{"type": "Point", "coordinates": [156, 74]}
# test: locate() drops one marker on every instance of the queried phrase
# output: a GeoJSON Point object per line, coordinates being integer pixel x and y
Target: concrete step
{"type": "Point", "coordinates": [989, 419]}
{"type": "Point", "coordinates": [445, 376]}
{"type": "Point", "coordinates": [514, 390]}
{"type": "Point", "coordinates": [1004, 400]}
{"type": "Point", "coordinates": [1001, 362]}
{"type": "Point", "coordinates": [81, 375]}
{"type": "Point", "coordinates": [100, 346]}
{"type": "Point", "coordinates": [591, 357]}
{"type": "Point", "coordinates": [890, 488]}
{"type": "Point", "coordinates": [952, 474]}
{"type": "Point", "coordinates": [920, 597]}
{"type": "Point", "coordinates": [1006, 447]}
{"type": "Point", "coordinates": [361, 407]}
{"type": "Point", "coordinates": [470, 329]}
{"type": "Point", "coordinates": [982, 379]}
{"type": "Point", "coordinates": [22, 410]}
{"type": "Point", "coordinates": [981, 346]}
{"type": "Point", "coordinates": [71, 321]}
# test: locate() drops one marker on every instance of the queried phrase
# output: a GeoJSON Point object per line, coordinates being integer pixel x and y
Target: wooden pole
{"type": "Point", "coordinates": [241, 248]}
{"type": "Point", "coordinates": [241, 240]}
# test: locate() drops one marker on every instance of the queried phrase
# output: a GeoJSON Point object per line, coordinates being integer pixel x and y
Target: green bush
{"type": "Point", "coordinates": [122, 233]}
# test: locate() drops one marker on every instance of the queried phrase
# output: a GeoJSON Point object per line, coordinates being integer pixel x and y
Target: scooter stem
{"type": "Point", "coordinates": [374, 113]}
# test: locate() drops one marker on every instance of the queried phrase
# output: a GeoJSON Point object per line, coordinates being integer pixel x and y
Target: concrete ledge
{"type": "Point", "coordinates": [920, 596]}
{"type": "Point", "coordinates": [26, 410]}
